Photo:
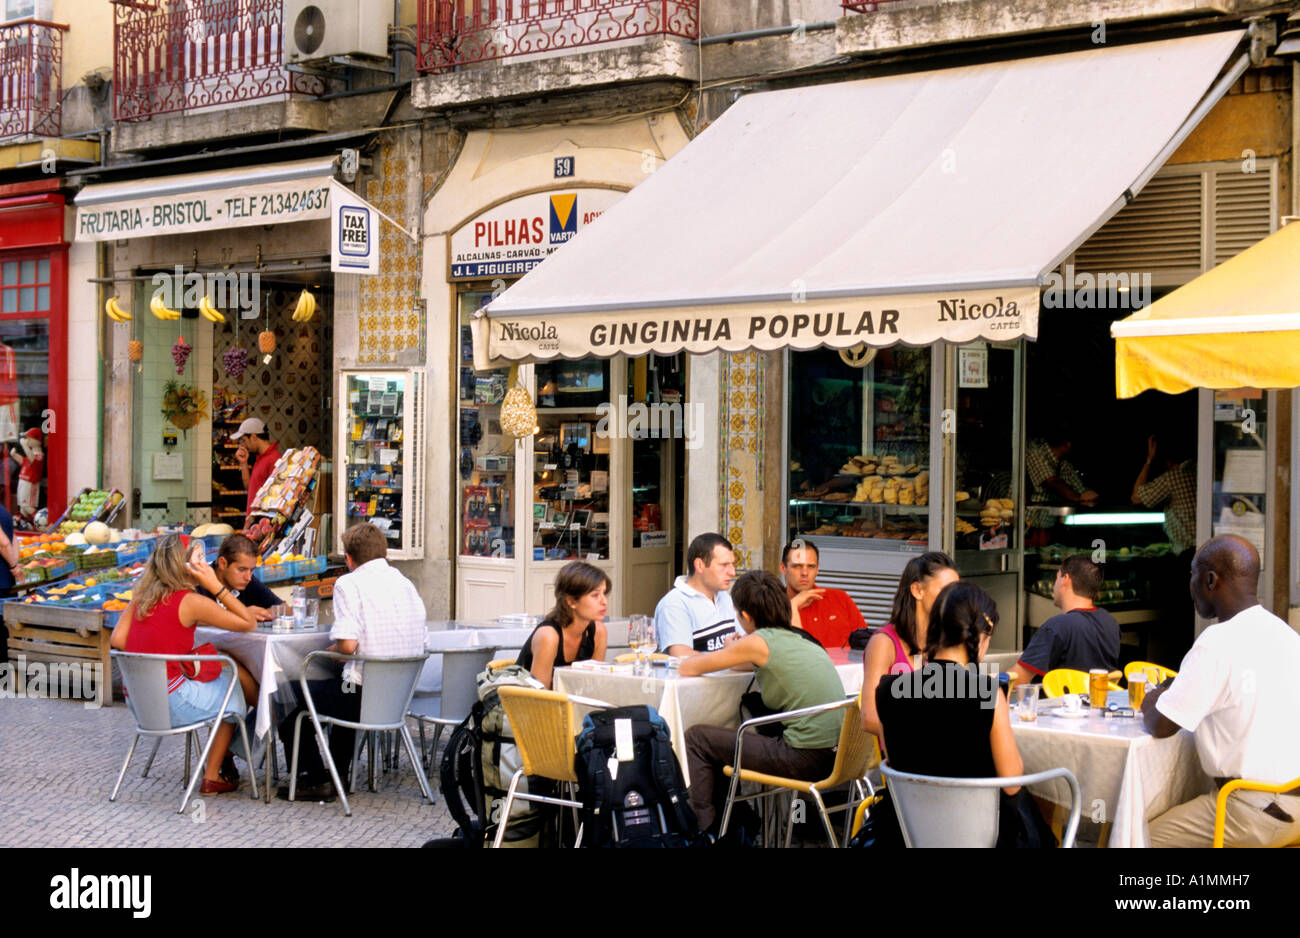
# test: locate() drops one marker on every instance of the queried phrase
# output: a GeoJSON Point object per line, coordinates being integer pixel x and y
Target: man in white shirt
{"type": "Point", "coordinates": [377, 614]}
{"type": "Point", "coordinates": [1237, 691]}
{"type": "Point", "coordinates": [696, 615]}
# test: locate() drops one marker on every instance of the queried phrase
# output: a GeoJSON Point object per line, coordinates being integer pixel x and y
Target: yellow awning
{"type": "Point", "coordinates": [1233, 327]}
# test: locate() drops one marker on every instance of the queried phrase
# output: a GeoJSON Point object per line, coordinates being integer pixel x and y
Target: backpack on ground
{"type": "Point", "coordinates": [638, 803]}
{"type": "Point", "coordinates": [478, 762]}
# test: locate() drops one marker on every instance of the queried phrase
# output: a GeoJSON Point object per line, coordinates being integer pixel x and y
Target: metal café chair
{"type": "Point", "coordinates": [144, 679]}
{"type": "Point", "coordinates": [934, 811]}
{"type": "Point", "coordinates": [853, 758]}
{"type": "Point", "coordinates": [452, 704]}
{"type": "Point", "coordinates": [386, 691]}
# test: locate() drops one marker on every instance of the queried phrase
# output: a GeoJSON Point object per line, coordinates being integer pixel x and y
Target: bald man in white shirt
{"type": "Point", "coordinates": [1237, 691]}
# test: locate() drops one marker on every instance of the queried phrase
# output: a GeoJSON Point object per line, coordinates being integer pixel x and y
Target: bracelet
{"type": "Point", "coordinates": [223, 589]}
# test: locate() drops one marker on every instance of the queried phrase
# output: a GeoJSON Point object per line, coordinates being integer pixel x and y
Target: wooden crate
{"type": "Point", "coordinates": [53, 634]}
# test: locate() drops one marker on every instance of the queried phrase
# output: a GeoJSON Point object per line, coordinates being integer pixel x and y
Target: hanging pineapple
{"type": "Point", "coordinates": [266, 345]}
{"type": "Point", "coordinates": [135, 351]}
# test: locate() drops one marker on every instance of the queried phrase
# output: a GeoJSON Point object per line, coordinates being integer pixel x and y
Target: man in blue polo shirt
{"type": "Point", "coordinates": [696, 615]}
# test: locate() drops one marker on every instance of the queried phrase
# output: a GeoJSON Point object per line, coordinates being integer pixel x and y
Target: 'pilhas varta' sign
{"type": "Point", "coordinates": [514, 237]}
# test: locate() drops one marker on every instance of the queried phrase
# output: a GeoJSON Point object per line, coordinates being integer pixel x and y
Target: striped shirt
{"type": "Point", "coordinates": [380, 610]}
{"type": "Point", "coordinates": [1178, 488]}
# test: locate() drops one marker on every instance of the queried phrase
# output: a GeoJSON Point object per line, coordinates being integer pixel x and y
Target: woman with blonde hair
{"type": "Point", "coordinates": [160, 620]}
{"type": "Point", "coordinates": [575, 629]}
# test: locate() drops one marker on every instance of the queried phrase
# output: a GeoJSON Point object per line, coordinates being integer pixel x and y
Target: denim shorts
{"type": "Point", "coordinates": [195, 701]}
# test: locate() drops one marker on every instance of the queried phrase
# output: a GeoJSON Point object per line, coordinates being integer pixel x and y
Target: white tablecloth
{"type": "Point", "coordinates": [1126, 776]}
{"type": "Point", "coordinates": [712, 699]}
{"type": "Point", "coordinates": [507, 641]}
{"type": "Point", "coordinates": [274, 672]}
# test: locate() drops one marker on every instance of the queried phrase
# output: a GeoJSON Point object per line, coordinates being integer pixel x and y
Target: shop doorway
{"type": "Point", "coordinates": [189, 474]}
{"type": "Point", "coordinates": [1099, 444]}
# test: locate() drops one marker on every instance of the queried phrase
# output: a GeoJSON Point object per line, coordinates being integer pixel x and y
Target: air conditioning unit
{"type": "Point", "coordinates": [318, 29]}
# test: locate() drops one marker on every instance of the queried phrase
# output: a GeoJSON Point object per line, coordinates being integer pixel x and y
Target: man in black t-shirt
{"type": "Point", "coordinates": [235, 563]}
{"type": "Point", "coordinates": [1082, 637]}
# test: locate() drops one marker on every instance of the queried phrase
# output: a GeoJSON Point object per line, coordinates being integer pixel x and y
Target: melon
{"type": "Point", "coordinates": [97, 532]}
{"type": "Point", "coordinates": [75, 539]}
{"type": "Point", "coordinates": [200, 531]}
{"type": "Point", "coordinates": [221, 530]}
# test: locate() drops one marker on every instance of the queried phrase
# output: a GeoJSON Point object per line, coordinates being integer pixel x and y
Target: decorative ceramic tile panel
{"type": "Point", "coordinates": [741, 453]}
{"type": "Point", "coordinates": [389, 323]}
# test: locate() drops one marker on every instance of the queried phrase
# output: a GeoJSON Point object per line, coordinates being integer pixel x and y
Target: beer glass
{"type": "Point", "coordinates": [1098, 686]}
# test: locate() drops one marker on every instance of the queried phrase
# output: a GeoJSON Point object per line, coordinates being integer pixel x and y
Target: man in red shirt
{"type": "Point", "coordinates": [252, 441]}
{"type": "Point", "coordinates": [828, 615]}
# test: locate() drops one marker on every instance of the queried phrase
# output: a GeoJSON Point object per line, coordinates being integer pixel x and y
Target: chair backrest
{"type": "Point", "coordinates": [496, 664]}
{"type": "Point", "coordinates": [1061, 681]}
{"type": "Point", "coordinates": [542, 721]}
{"type": "Point", "coordinates": [460, 670]}
{"type": "Point", "coordinates": [144, 678]}
{"type": "Point", "coordinates": [856, 752]}
{"type": "Point", "coordinates": [963, 812]}
{"type": "Point", "coordinates": [387, 688]}
{"type": "Point", "coordinates": [1141, 667]}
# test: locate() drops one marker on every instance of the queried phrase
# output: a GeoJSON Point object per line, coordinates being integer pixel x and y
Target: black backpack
{"type": "Point", "coordinates": [646, 804]}
{"type": "Point", "coordinates": [478, 761]}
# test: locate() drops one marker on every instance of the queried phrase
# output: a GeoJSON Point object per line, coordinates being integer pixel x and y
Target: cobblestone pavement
{"type": "Point", "coordinates": [59, 760]}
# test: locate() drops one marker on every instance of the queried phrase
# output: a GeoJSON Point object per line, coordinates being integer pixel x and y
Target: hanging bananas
{"type": "Point", "coordinates": [114, 311]}
{"type": "Point", "coordinates": [305, 308]}
{"type": "Point", "coordinates": [210, 312]}
{"type": "Point", "coordinates": [161, 311]}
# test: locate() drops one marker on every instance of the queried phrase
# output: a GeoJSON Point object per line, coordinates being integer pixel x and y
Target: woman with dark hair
{"type": "Point", "coordinates": [574, 630]}
{"type": "Point", "coordinates": [794, 671]}
{"type": "Point", "coordinates": [948, 720]}
{"type": "Point", "coordinates": [897, 647]}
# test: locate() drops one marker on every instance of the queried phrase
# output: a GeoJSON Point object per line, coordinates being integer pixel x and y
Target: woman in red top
{"type": "Point", "coordinates": [161, 619]}
{"type": "Point", "coordinates": [897, 648]}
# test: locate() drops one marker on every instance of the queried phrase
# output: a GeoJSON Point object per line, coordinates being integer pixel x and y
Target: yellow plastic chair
{"type": "Point", "coordinates": [1061, 681]}
{"type": "Point", "coordinates": [855, 754]}
{"type": "Point", "coordinates": [1242, 784]}
{"type": "Point", "coordinates": [1142, 666]}
{"type": "Point", "coordinates": [543, 725]}
{"type": "Point", "coordinates": [630, 656]}
{"type": "Point", "coordinates": [496, 664]}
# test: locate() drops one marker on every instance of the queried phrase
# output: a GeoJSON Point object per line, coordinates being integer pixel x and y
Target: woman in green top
{"type": "Point", "coordinates": [794, 671]}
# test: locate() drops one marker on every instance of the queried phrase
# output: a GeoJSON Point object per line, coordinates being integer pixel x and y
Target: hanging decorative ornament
{"type": "Point", "coordinates": [518, 414]}
{"type": "Point", "coordinates": [266, 345]}
{"type": "Point", "coordinates": [181, 354]}
{"type": "Point", "coordinates": [235, 361]}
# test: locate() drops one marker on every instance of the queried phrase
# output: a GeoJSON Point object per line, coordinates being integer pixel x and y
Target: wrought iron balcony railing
{"type": "Point", "coordinates": [31, 79]}
{"type": "Point", "coordinates": [180, 55]}
{"type": "Point", "coordinates": [461, 32]}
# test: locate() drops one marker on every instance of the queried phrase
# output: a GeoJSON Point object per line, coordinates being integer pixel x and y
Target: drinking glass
{"type": "Point", "coordinates": [312, 615]}
{"type": "Point", "coordinates": [638, 636]}
{"type": "Point", "coordinates": [1098, 687]}
{"type": "Point", "coordinates": [1026, 696]}
{"type": "Point", "coordinates": [1137, 690]}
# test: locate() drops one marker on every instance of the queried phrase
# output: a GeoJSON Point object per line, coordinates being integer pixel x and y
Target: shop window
{"type": "Point", "coordinates": [24, 402]}
{"type": "Point", "coordinates": [486, 455]}
{"type": "Point", "coordinates": [859, 446]}
{"type": "Point", "coordinates": [571, 467]}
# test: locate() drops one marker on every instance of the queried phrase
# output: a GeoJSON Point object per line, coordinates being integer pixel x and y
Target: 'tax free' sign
{"type": "Point", "coordinates": [352, 239]}
{"type": "Point", "coordinates": [514, 237]}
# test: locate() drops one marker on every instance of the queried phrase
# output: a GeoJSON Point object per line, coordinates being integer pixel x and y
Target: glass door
{"type": "Point", "coordinates": [1240, 494]}
{"type": "Point", "coordinates": [659, 425]}
{"type": "Point", "coordinates": [982, 420]}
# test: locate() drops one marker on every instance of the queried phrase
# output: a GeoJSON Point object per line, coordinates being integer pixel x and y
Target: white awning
{"type": "Point", "coordinates": [910, 208]}
{"type": "Point", "coordinates": [225, 198]}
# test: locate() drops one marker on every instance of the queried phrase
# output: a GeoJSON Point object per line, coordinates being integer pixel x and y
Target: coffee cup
{"type": "Point", "coordinates": [1071, 703]}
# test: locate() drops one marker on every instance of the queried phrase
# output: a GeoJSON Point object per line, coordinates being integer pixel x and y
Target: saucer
{"type": "Point", "coordinates": [1067, 714]}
